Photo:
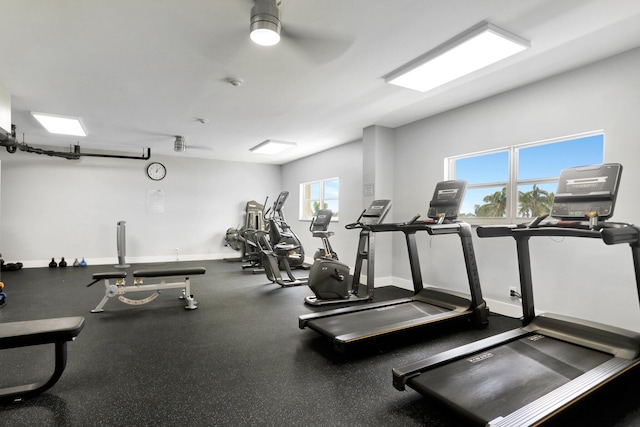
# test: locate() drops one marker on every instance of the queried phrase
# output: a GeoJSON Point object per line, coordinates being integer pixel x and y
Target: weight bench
{"type": "Point", "coordinates": [36, 332]}
{"type": "Point", "coordinates": [119, 288]}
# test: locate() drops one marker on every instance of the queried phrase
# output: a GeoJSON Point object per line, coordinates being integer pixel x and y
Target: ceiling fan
{"type": "Point", "coordinates": [265, 22]}
{"type": "Point", "coordinates": [266, 29]}
{"type": "Point", "coordinates": [180, 145]}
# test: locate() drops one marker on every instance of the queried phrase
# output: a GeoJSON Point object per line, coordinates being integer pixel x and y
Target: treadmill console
{"type": "Point", "coordinates": [447, 199]}
{"type": "Point", "coordinates": [375, 213]}
{"type": "Point", "coordinates": [587, 190]}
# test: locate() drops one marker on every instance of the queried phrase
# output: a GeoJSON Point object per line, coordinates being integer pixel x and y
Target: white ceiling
{"type": "Point", "coordinates": [139, 72]}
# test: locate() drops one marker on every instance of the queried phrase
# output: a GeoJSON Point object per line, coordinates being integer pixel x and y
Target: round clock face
{"type": "Point", "coordinates": [156, 171]}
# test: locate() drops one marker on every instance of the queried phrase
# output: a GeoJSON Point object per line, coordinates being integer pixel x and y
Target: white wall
{"type": "Point", "coordinates": [54, 207]}
{"type": "Point", "coordinates": [584, 279]}
{"type": "Point", "coordinates": [344, 162]}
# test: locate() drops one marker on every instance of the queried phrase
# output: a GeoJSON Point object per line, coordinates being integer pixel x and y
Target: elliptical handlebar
{"type": "Point", "coordinates": [265, 209]}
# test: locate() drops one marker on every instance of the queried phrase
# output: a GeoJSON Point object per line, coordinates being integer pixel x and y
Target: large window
{"type": "Point", "coordinates": [519, 181]}
{"type": "Point", "coordinates": [318, 195]}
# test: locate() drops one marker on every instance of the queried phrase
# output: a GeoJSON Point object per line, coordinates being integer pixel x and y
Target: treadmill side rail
{"type": "Point", "coordinates": [405, 373]}
{"type": "Point", "coordinates": [550, 404]}
{"type": "Point", "coordinates": [304, 319]}
{"type": "Point", "coordinates": [340, 342]}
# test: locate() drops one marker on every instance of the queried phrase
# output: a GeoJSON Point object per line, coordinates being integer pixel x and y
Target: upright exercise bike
{"type": "Point", "coordinates": [319, 228]}
{"type": "Point", "coordinates": [329, 278]}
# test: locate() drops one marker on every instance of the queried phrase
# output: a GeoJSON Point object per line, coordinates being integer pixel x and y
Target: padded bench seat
{"type": "Point", "coordinates": [185, 271]}
{"type": "Point", "coordinates": [109, 275]}
{"type": "Point", "coordinates": [37, 332]}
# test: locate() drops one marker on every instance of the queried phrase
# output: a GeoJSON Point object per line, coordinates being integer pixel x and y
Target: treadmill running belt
{"type": "Point", "coordinates": [374, 318]}
{"type": "Point", "coordinates": [507, 377]}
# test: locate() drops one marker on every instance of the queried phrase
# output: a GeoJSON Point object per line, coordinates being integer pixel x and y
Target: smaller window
{"type": "Point", "coordinates": [318, 195]}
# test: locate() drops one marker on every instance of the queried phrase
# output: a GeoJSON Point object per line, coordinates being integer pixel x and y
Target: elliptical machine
{"type": "Point", "coordinates": [329, 279]}
{"type": "Point", "coordinates": [283, 241]}
{"type": "Point", "coordinates": [280, 248]}
{"type": "Point", "coordinates": [244, 238]}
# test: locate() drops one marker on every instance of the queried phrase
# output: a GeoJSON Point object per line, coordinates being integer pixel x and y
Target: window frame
{"type": "Point", "coordinates": [321, 200]}
{"type": "Point", "coordinates": [511, 208]}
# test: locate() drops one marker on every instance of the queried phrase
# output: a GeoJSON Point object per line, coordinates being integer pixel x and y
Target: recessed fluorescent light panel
{"type": "Point", "coordinates": [482, 45]}
{"type": "Point", "coordinates": [63, 125]}
{"type": "Point", "coordinates": [271, 146]}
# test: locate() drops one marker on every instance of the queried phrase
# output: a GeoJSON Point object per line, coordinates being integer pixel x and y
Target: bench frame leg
{"type": "Point", "coordinates": [22, 392]}
{"type": "Point", "coordinates": [120, 288]}
{"type": "Point", "coordinates": [192, 304]}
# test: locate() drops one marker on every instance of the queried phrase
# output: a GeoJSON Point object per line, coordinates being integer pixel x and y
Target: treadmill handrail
{"type": "Point", "coordinates": [431, 227]}
{"type": "Point", "coordinates": [461, 228]}
{"type": "Point", "coordinates": [611, 233]}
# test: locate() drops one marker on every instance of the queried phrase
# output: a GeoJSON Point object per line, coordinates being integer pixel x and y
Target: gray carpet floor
{"type": "Point", "coordinates": [238, 360]}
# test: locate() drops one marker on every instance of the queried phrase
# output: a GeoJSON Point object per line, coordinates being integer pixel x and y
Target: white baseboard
{"type": "Point", "coordinates": [112, 261]}
{"type": "Point", "coordinates": [505, 309]}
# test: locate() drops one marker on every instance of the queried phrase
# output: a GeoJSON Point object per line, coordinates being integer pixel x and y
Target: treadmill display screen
{"type": "Point", "coordinates": [376, 212]}
{"type": "Point", "coordinates": [587, 190]}
{"type": "Point", "coordinates": [447, 199]}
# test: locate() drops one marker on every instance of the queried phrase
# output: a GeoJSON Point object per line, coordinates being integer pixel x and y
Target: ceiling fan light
{"type": "Point", "coordinates": [265, 36]}
{"type": "Point", "coordinates": [265, 23]}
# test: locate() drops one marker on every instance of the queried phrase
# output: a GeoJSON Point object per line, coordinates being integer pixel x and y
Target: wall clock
{"type": "Point", "coordinates": [156, 171]}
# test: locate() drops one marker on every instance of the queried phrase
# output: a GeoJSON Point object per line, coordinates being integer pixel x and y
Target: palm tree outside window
{"type": "Point", "coordinates": [519, 181]}
{"type": "Point", "coordinates": [316, 195]}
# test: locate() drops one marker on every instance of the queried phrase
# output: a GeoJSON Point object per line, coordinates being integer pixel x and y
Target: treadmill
{"type": "Point", "coordinates": [527, 375]}
{"type": "Point", "coordinates": [350, 325]}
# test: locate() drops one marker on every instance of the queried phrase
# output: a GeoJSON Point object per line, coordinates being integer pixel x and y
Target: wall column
{"type": "Point", "coordinates": [377, 179]}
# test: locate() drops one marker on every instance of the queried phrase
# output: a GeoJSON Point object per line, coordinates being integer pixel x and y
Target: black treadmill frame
{"type": "Point", "coordinates": [473, 307]}
{"type": "Point", "coordinates": [622, 344]}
